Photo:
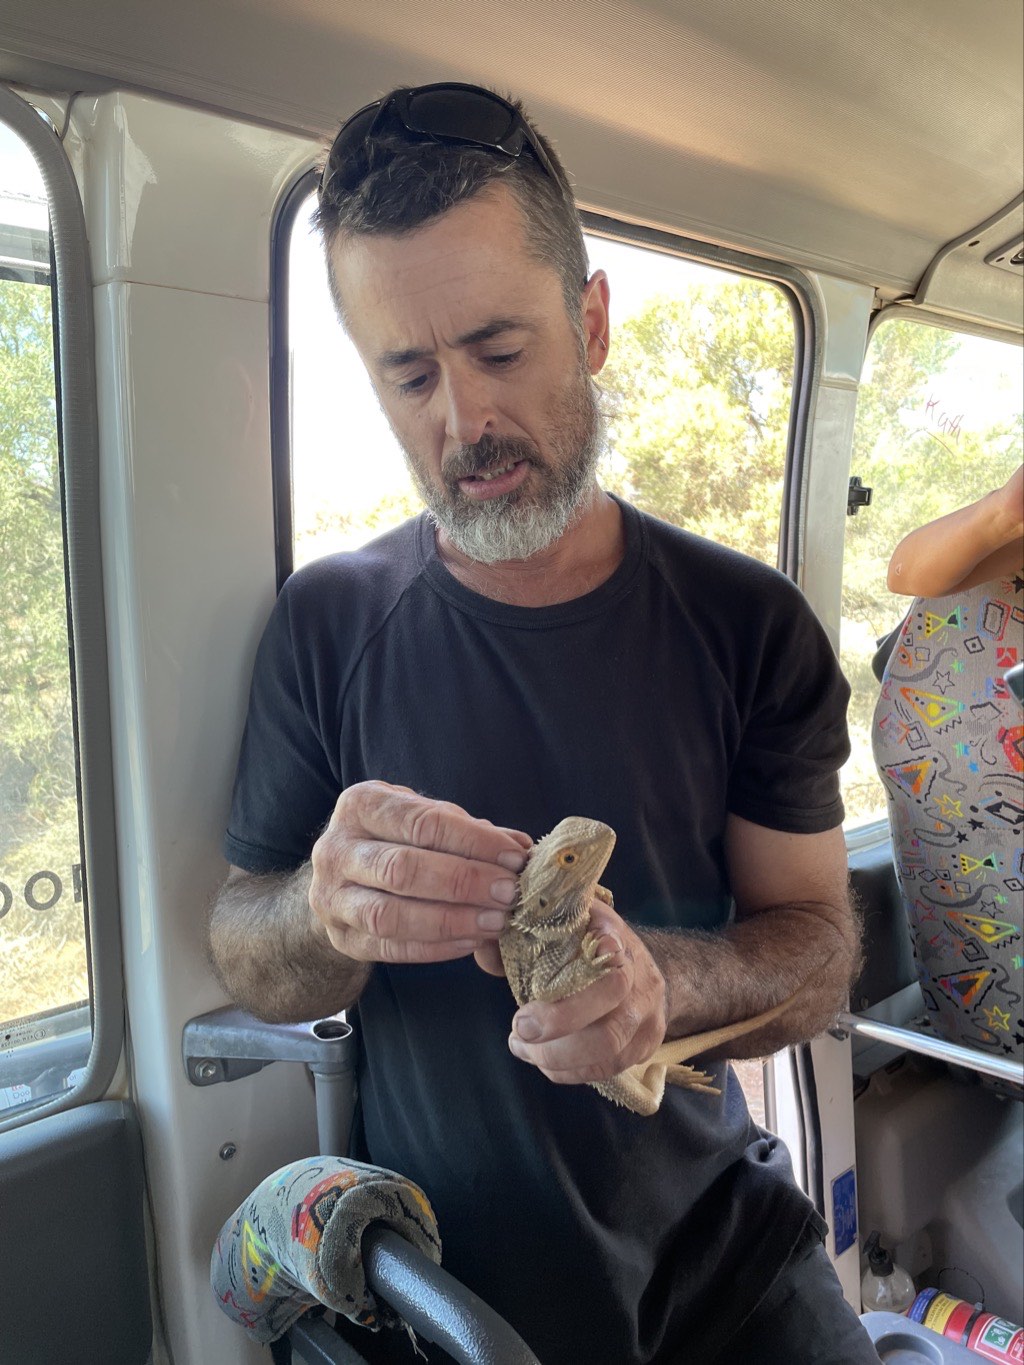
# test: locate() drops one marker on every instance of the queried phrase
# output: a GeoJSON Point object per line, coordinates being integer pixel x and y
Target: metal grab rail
{"type": "Point", "coordinates": [1002, 1068]}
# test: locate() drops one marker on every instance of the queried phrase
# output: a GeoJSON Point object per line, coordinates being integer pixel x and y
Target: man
{"type": "Point", "coordinates": [533, 649]}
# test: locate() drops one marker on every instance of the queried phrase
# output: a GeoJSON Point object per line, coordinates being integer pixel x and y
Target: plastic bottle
{"type": "Point", "coordinates": [886, 1287]}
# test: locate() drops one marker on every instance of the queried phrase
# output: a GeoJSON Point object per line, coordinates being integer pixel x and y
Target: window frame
{"type": "Point", "coordinates": [807, 317]}
{"type": "Point", "coordinates": [280, 372]}
{"type": "Point", "coordinates": [78, 458]}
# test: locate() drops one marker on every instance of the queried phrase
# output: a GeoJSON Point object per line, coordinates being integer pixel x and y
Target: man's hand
{"type": "Point", "coordinates": [400, 878]}
{"type": "Point", "coordinates": [605, 1028]}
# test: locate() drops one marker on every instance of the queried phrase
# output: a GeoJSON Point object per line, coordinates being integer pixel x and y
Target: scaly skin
{"type": "Point", "coordinates": [549, 952]}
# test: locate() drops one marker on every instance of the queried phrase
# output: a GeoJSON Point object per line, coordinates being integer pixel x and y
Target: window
{"type": "Point", "coordinates": [939, 424]}
{"type": "Point", "coordinates": [696, 394]}
{"type": "Point", "coordinates": [45, 1027]}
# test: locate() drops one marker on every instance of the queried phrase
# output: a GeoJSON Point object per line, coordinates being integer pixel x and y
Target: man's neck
{"type": "Point", "coordinates": [584, 556]}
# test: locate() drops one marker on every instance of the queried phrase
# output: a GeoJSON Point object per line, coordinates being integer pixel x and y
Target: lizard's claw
{"type": "Point", "coordinates": [689, 1078]}
{"type": "Point", "coordinates": [589, 953]}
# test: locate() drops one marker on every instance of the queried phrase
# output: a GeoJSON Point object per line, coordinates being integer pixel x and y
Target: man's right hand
{"type": "Point", "coordinates": [401, 878]}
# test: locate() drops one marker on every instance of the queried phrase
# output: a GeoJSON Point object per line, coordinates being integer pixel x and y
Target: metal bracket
{"type": "Point", "coordinates": [857, 497]}
{"type": "Point", "coordinates": [228, 1043]}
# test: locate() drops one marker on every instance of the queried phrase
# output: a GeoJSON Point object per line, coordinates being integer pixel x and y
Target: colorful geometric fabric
{"type": "Point", "coordinates": [947, 739]}
{"type": "Point", "coordinates": [297, 1242]}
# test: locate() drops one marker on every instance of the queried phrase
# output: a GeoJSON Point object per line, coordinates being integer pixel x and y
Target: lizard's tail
{"type": "Point", "coordinates": [679, 1050]}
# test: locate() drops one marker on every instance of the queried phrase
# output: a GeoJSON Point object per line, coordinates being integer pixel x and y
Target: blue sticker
{"type": "Point", "coordinates": [844, 1210]}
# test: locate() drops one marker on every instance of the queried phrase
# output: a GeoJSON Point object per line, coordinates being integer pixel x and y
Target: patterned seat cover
{"type": "Point", "coordinates": [948, 740]}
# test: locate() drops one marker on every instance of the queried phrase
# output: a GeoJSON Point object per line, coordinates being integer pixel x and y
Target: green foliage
{"type": "Point", "coordinates": [699, 389]}
{"type": "Point", "coordinates": [919, 467]}
{"type": "Point", "coordinates": [327, 529]}
{"type": "Point", "coordinates": [38, 820]}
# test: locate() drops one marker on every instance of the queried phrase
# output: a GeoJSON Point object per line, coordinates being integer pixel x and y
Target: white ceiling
{"type": "Point", "coordinates": [858, 136]}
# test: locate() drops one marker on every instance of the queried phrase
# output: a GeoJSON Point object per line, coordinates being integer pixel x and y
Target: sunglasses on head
{"type": "Point", "coordinates": [447, 111]}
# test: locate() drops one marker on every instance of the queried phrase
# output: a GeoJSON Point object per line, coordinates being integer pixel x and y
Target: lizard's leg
{"type": "Point", "coordinates": [690, 1079]}
{"type": "Point", "coordinates": [603, 894]}
{"type": "Point", "coordinates": [589, 953]}
{"type": "Point", "coordinates": [632, 1091]}
{"type": "Point", "coordinates": [576, 974]}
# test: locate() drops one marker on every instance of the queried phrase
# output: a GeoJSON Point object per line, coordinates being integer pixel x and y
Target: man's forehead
{"type": "Point", "coordinates": [461, 273]}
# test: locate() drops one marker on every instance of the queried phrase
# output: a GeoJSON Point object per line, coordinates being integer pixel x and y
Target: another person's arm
{"type": "Point", "coordinates": [394, 877]}
{"type": "Point", "coordinates": [972, 545]}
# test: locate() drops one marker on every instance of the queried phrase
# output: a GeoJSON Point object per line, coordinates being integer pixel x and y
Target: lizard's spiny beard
{"type": "Point", "coordinates": [569, 913]}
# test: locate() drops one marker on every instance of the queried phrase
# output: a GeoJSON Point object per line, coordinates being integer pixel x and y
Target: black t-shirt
{"type": "Point", "coordinates": [693, 683]}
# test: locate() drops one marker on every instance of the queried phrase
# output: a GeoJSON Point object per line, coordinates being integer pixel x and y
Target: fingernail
{"type": "Point", "coordinates": [504, 891]}
{"type": "Point", "coordinates": [515, 862]}
{"type": "Point", "coordinates": [613, 937]}
{"type": "Point", "coordinates": [515, 1048]}
{"type": "Point", "coordinates": [491, 919]}
{"type": "Point", "coordinates": [527, 1028]}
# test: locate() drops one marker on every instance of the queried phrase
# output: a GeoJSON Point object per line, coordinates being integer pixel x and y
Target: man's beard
{"type": "Point", "coordinates": [519, 524]}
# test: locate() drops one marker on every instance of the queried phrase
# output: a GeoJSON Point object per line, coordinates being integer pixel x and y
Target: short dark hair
{"type": "Point", "coordinates": [411, 182]}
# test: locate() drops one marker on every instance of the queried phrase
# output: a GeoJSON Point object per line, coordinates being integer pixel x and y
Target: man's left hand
{"type": "Point", "coordinates": [600, 1031]}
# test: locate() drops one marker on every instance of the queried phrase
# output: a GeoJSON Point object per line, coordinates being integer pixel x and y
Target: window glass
{"type": "Point", "coordinates": [939, 424]}
{"type": "Point", "coordinates": [45, 1026]}
{"type": "Point", "coordinates": [696, 395]}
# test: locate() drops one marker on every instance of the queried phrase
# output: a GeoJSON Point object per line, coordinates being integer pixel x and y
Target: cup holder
{"type": "Point", "coordinates": [901, 1348]}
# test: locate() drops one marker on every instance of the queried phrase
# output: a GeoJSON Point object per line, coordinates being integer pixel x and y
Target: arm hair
{"type": "Point", "coordinates": [270, 953]}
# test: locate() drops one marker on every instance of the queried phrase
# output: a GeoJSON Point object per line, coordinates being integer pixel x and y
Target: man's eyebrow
{"type": "Point", "coordinates": [493, 329]}
{"type": "Point", "coordinates": [394, 360]}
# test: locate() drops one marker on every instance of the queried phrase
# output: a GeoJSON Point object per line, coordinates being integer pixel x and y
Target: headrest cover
{"type": "Point", "coordinates": [296, 1242]}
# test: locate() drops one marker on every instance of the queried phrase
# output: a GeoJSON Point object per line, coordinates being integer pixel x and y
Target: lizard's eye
{"type": "Point", "coordinates": [567, 857]}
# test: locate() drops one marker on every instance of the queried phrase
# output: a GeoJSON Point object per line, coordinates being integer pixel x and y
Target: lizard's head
{"type": "Point", "coordinates": [558, 882]}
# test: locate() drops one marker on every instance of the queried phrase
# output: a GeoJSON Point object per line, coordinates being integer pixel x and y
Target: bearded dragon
{"type": "Point", "coordinates": [549, 951]}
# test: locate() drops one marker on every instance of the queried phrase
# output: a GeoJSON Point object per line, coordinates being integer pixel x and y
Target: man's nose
{"type": "Point", "coordinates": [469, 409]}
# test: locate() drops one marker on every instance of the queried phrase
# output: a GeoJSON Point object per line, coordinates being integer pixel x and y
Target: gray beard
{"type": "Point", "coordinates": [517, 524]}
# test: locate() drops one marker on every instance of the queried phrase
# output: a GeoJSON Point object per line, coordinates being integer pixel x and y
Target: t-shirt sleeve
{"type": "Point", "coordinates": [786, 774]}
{"type": "Point", "coordinates": [286, 785]}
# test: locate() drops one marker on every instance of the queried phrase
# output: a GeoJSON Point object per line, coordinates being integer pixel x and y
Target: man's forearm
{"type": "Point", "coordinates": [270, 956]}
{"type": "Point", "coordinates": [718, 978]}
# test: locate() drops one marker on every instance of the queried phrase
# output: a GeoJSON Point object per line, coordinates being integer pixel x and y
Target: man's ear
{"type": "Point", "coordinates": [595, 320]}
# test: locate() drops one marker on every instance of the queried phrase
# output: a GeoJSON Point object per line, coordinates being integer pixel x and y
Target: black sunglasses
{"type": "Point", "coordinates": [447, 111]}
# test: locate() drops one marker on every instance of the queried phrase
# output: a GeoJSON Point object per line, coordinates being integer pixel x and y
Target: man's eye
{"type": "Point", "coordinates": [498, 361]}
{"type": "Point", "coordinates": [413, 385]}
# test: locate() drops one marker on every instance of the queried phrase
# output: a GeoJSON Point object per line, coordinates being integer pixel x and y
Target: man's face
{"type": "Point", "coordinates": [480, 372]}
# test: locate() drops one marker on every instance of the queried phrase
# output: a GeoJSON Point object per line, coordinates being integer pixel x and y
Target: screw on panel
{"type": "Point", "coordinates": [206, 1071]}
{"type": "Point", "coordinates": [228, 1151]}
